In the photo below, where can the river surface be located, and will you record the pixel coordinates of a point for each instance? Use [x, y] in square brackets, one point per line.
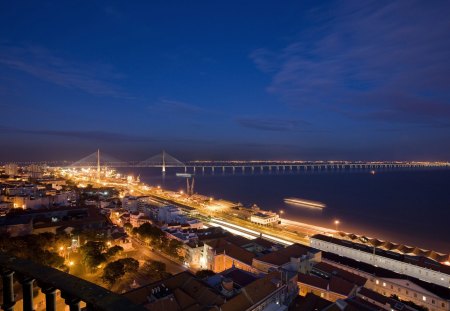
[404, 206]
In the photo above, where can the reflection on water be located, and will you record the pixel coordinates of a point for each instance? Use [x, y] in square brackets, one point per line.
[406, 206]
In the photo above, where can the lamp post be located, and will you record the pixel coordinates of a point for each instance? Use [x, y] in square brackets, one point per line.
[336, 224]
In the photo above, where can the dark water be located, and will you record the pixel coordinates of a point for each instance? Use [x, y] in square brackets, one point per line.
[405, 206]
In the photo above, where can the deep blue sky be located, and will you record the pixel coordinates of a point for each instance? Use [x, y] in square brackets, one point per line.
[225, 79]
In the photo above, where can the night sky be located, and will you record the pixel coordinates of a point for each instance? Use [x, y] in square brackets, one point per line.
[319, 80]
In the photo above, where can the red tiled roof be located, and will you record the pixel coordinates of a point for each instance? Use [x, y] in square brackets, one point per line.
[284, 255]
[346, 275]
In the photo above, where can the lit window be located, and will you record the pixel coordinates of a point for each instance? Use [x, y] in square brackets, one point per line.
[384, 284]
[377, 282]
[424, 298]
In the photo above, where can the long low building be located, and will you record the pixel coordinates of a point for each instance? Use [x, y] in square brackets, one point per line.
[426, 265]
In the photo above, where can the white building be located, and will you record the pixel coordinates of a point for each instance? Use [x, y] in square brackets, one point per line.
[388, 283]
[130, 203]
[11, 169]
[417, 266]
[265, 218]
[170, 214]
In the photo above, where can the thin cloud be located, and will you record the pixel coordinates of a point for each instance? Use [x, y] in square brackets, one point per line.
[174, 106]
[41, 63]
[86, 135]
[273, 125]
[366, 56]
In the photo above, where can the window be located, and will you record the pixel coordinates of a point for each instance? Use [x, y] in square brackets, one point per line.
[415, 295]
[432, 301]
[384, 284]
[424, 298]
[392, 286]
[376, 281]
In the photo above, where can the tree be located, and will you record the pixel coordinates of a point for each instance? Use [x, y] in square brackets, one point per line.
[155, 270]
[131, 265]
[202, 274]
[114, 251]
[92, 253]
[128, 227]
[113, 271]
[173, 248]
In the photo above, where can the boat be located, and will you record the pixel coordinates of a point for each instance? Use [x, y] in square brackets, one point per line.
[187, 175]
[304, 203]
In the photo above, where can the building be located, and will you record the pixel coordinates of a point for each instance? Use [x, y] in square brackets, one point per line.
[221, 254]
[421, 264]
[11, 169]
[295, 257]
[270, 292]
[5, 207]
[383, 302]
[386, 282]
[182, 291]
[130, 204]
[331, 289]
[137, 219]
[16, 226]
[35, 170]
[265, 218]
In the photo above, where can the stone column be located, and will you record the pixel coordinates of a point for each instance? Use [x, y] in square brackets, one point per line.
[27, 291]
[50, 298]
[8, 290]
[72, 302]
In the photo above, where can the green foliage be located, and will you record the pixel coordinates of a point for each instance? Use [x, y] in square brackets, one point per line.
[92, 253]
[128, 227]
[117, 269]
[155, 270]
[173, 248]
[114, 251]
[201, 274]
[40, 248]
[112, 272]
[147, 231]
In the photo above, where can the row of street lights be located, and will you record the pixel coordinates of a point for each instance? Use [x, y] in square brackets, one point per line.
[336, 221]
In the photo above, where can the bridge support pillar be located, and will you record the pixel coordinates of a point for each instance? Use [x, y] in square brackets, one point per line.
[234, 169]
[185, 169]
[50, 298]
[27, 291]
[8, 290]
[194, 169]
[253, 169]
[223, 169]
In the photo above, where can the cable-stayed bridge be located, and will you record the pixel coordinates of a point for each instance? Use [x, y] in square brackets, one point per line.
[164, 160]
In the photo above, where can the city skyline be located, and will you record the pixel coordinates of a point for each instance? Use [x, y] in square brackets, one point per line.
[303, 81]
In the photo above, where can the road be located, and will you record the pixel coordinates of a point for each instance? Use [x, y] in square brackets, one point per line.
[143, 253]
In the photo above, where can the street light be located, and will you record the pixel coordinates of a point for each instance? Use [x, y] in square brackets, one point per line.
[336, 224]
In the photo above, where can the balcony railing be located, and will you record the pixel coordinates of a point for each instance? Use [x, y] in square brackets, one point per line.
[73, 289]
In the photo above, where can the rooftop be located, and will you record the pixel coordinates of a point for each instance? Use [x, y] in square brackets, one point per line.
[284, 255]
[331, 270]
[437, 290]
[426, 259]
